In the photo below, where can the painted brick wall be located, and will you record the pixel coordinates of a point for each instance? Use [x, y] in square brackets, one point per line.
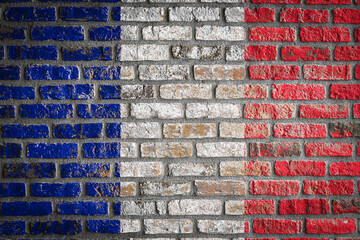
[180, 119]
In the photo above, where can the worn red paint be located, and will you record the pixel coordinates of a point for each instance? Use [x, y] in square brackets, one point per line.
[326, 72]
[347, 53]
[346, 16]
[259, 15]
[345, 169]
[299, 15]
[274, 188]
[324, 34]
[345, 91]
[300, 168]
[292, 53]
[298, 91]
[257, 130]
[304, 206]
[276, 226]
[260, 53]
[300, 130]
[328, 149]
[330, 187]
[274, 72]
[274, 149]
[341, 206]
[324, 111]
[259, 206]
[330, 226]
[272, 34]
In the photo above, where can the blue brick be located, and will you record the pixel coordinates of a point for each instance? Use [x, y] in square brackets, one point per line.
[11, 33]
[99, 110]
[52, 150]
[85, 130]
[25, 131]
[10, 150]
[78, 170]
[110, 92]
[13, 1]
[10, 92]
[57, 111]
[87, 53]
[103, 73]
[117, 13]
[63, 0]
[33, 53]
[9, 72]
[106, 33]
[65, 227]
[96, 14]
[2, 52]
[55, 189]
[48, 72]
[26, 208]
[7, 111]
[103, 189]
[113, 130]
[30, 14]
[74, 92]
[117, 208]
[8, 228]
[104, 226]
[29, 170]
[83, 208]
[57, 33]
[12, 190]
[102, 150]
[115, 1]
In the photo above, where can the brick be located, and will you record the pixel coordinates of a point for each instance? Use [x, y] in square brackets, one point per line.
[347, 53]
[140, 208]
[345, 91]
[277, 1]
[33, 52]
[327, 2]
[186, 91]
[52, 150]
[242, 168]
[10, 150]
[357, 38]
[299, 15]
[169, 33]
[300, 168]
[346, 16]
[304, 206]
[260, 53]
[30, 14]
[330, 226]
[133, 130]
[197, 14]
[115, 189]
[8, 228]
[143, 52]
[127, 91]
[244, 130]
[292, 53]
[164, 72]
[276, 226]
[197, 52]
[87, 53]
[26, 208]
[114, 226]
[300, 130]
[78, 131]
[55, 189]
[157, 110]
[195, 207]
[328, 149]
[259, 15]
[274, 149]
[12, 33]
[272, 34]
[330, 187]
[86, 14]
[221, 149]
[64, 227]
[243, 91]
[235, 14]
[298, 91]
[12, 190]
[102, 110]
[109, 73]
[192, 169]
[19, 93]
[109, 33]
[48, 72]
[165, 188]
[341, 206]
[345, 169]
[58, 33]
[324, 34]
[274, 188]
[356, 110]
[235, 53]
[223, 226]
[259, 207]
[110, 150]
[326, 72]
[9, 72]
[220, 33]
[168, 226]
[7, 111]
[139, 14]
[213, 110]
[269, 111]
[139, 169]
[346, 129]
[219, 72]
[29, 170]
[324, 111]
[189, 130]
[85, 208]
[81, 170]
[220, 188]
[274, 72]
[25, 131]
[166, 150]
[74, 92]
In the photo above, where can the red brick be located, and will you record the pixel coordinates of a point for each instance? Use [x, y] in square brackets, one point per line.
[324, 111]
[345, 91]
[330, 226]
[347, 53]
[357, 35]
[330, 187]
[327, 2]
[300, 130]
[356, 110]
[345, 169]
[277, 1]
[306, 239]
[274, 149]
[260, 53]
[357, 71]
[344, 129]
[257, 168]
[274, 188]
[292, 53]
[298, 91]
[259, 15]
[271, 34]
[304, 206]
[299, 15]
[269, 111]
[259, 207]
[327, 72]
[328, 149]
[274, 72]
[324, 34]
[257, 130]
[346, 15]
[341, 206]
[276, 226]
[300, 168]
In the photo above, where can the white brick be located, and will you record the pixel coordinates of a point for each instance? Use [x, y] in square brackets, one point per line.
[235, 14]
[213, 110]
[167, 33]
[165, 188]
[140, 130]
[142, 14]
[192, 169]
[130, 225]
[171, 226]
[141, 169]
[166, 150]
[221, 149]
[235, 53]
[221, 226]
[145, 52]
[232, 130]
[157, 110]
[186, 91]
[220, 33]
[235, 207]
[164, 72]
[128, 150]
[195, 207]
[189, 130]
[129, 32]
[197, 52]
[199, 14]
[140, 208]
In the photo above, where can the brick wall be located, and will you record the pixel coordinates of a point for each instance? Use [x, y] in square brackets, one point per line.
[179, 119]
